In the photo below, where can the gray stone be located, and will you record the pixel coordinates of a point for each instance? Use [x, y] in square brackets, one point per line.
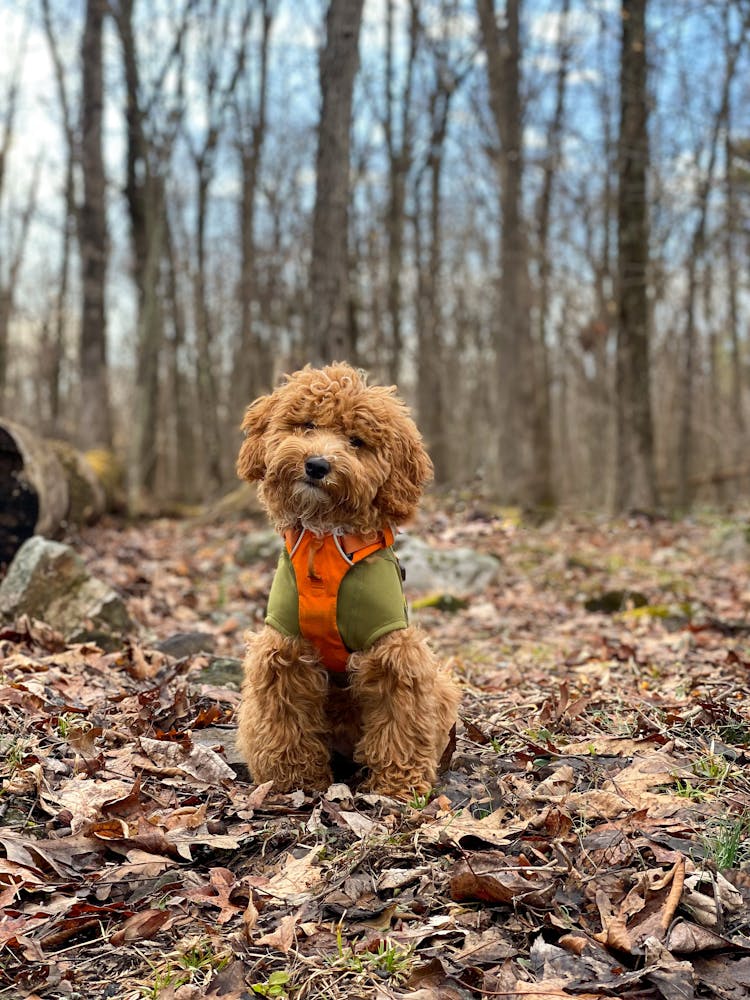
[49, 581]
[225, 736]
[460, 572]
[260, 546]
[734, 543]
[187, 644]
[222, 671]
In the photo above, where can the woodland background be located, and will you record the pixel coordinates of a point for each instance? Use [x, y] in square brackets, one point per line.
[531, 215]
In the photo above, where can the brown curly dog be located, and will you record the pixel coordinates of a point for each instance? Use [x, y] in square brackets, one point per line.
[337, 666]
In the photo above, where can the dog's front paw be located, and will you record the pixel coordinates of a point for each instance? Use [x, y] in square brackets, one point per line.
[288, 777]
[397, 783]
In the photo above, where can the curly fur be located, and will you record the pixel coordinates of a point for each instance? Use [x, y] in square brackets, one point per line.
[395, 714]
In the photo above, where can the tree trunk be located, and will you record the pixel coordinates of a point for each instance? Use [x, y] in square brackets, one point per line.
[542, 411]
[635, 481]
[251, 349]
[145, 196]
[737, 408]
[431, 351]
[183, 451]
[9, 107]
[54, 351]
[95, 425]
[516, 473]
[685, 456]
[328, 333]
[399, 141]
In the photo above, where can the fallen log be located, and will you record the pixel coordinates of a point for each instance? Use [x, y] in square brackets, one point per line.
[44, 486]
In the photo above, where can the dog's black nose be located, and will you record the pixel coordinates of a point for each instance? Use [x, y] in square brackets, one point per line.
[317, 468]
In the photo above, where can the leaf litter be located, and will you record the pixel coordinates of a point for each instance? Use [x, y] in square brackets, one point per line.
[590, 838]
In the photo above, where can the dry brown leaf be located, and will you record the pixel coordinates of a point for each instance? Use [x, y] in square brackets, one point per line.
[217, 892]
[675, 894]
[249, 918]
[26, 781]
[549, 988]
[397, 878]
[141, 927]
[604, 746]
[706, 894]
[615, 934]
[199, 762]
[574, 943]
[686, 938]
[283, 937]
[480, 879]
[490, 830]
[647, 771]
[597, 804]
[296, 877]
[84, 797]
[557, 786]
[361, 825]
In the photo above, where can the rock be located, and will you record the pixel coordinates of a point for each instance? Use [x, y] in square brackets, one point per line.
[222, 671]
[49, 581]
[734, 544]
[187, 644]
[459, 572]
[261, 546]
[220, 736]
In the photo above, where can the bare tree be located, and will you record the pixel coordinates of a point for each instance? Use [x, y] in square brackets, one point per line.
[95, 424]
[398, 127]
[328, 328]
[685, 457]
[541, 414]
[54, 348]
[252, 368]
[513, 346]
[448, 69]
[635, 480]
[152, 123]
[15, 224]
[429, 306]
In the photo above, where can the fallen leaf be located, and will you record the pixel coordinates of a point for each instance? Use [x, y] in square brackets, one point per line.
[198, 762]
[283, 937]
[141, 927]
[297, 876]
[484, 878]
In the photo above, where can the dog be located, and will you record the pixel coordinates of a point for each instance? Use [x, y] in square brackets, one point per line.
[337, 666]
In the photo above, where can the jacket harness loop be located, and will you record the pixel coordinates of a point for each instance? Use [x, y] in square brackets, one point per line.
[320, 564]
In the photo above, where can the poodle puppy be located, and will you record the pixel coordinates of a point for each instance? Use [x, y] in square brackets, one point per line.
[337, 665]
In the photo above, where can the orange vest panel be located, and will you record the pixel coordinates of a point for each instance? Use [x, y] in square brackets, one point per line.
[320, 564]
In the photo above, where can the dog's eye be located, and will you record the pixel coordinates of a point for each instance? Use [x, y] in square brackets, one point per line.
[356, 442]
[309, 426]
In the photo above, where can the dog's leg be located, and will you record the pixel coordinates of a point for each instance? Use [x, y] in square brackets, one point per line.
[282, 727]
[408, 707]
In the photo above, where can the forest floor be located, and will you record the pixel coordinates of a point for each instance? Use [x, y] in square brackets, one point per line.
[591, 839]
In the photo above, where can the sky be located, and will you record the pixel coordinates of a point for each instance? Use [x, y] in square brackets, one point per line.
[683, 50]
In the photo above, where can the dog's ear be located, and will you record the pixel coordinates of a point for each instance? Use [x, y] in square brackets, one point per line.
[411, 471]
[251, 463]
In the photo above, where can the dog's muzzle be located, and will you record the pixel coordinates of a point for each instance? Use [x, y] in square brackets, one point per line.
[317, 468]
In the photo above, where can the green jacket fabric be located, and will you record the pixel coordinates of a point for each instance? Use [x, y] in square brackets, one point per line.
[370, 601]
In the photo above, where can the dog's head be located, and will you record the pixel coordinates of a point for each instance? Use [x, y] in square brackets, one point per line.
[333, 452]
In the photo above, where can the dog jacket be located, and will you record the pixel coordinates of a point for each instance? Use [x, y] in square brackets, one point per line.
[341, 592]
